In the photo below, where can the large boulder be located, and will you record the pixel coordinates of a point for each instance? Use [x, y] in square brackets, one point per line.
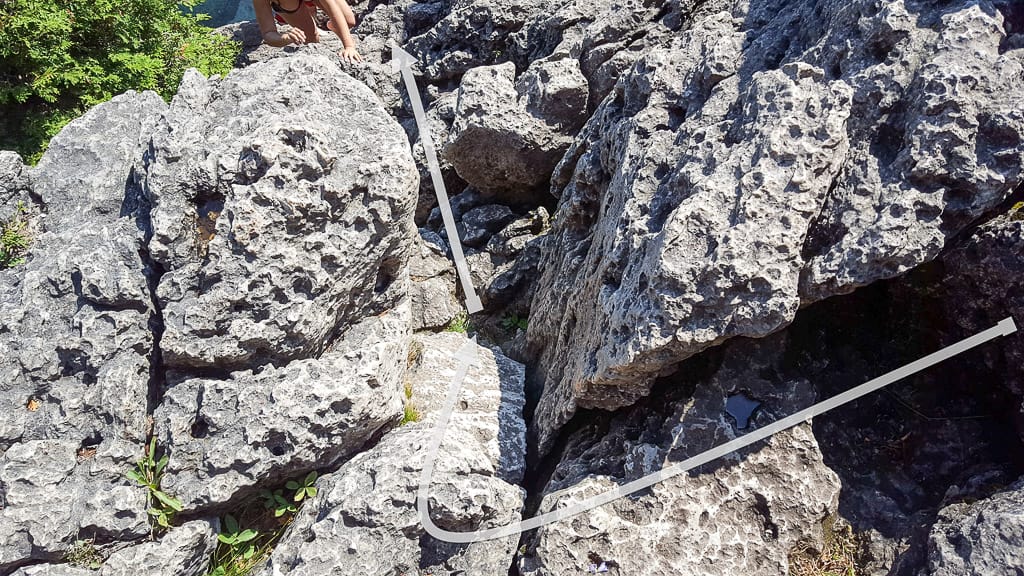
[76, 344]
[760, 161]
[742, 514]
[278, 220]
[227, 436]
[364, 518]
[284, 233]
[505, 143]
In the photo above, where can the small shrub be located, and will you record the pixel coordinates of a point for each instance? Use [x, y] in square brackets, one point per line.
[14, 240]
[238, 550]
[147, 473]
[513, 322]
[59, 58]
[459, 324]
[304, 489]
[274, 500]
[84, 554]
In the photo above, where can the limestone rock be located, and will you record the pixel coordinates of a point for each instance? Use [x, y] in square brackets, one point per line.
[981, 287]
[754, 165]
[364, 519]
[432, 286]
[496, 144]
[258, 203]
[183, 551]
[981, 538]
[15, 184]
[76, 343]
[263, 427]
[480, 223]
[741, 514]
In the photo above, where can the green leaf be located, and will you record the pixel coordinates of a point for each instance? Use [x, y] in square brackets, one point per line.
[231, 524]
[300, 495]
[311, 491]
[169, 501]
[292, 485]
[225, 538]
[247, 535]
[160, 466]
[133, 475]
[278, 512]
[310, 478]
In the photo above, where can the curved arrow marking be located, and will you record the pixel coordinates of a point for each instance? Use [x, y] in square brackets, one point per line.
[467, 356]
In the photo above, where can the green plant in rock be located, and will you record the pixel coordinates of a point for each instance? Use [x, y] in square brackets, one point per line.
[241, 542]
[84, 554]
[459, 324]
[274, 500]
[147, 473]
[410, 414]
[14, 240]
[513, 322]
[304, 489]
[60, 57]
[239, 550]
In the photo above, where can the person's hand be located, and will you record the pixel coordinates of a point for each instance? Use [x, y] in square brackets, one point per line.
[349, 54]
[295, 36]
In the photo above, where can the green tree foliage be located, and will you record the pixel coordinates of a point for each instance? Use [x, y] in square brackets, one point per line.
[59, 57]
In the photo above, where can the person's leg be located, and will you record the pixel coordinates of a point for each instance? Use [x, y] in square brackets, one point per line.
[303, 20]
[350, 17]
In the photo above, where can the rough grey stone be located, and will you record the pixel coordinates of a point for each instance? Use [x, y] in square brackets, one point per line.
[740, 515]
[364, 520]
[473, 33]
[496, 144]
[482, 222]
[76, 343]
[745, 169]
[51, 494]
[555, 89]
[983, 538]
[15, 184]
[981, 286]
[432, 286]
[260, 428]
[257, 205]
[183, 551]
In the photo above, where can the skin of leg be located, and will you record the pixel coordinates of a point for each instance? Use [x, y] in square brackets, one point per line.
[350, 18]
[303, 20]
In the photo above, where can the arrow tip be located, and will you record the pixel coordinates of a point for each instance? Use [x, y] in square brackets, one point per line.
[467, 354]
[400, 59]
[473, 304]
[1007, 326]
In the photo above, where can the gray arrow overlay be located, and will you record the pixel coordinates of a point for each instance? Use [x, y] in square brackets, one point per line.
[403, 61]
[467, 356]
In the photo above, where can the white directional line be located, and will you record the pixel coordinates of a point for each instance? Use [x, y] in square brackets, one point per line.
[402, 61]
[1004, 328]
